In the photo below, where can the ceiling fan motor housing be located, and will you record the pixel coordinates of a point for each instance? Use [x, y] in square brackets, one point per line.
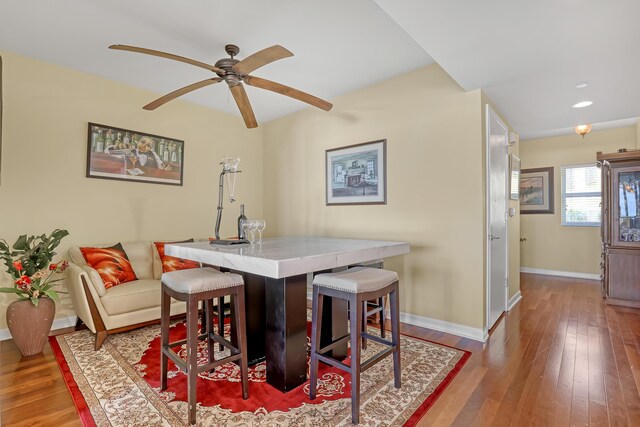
[230, 76]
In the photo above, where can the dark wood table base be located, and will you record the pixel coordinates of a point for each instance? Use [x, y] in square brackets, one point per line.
[276, 313]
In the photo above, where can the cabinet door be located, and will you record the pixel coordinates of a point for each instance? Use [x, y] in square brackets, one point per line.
[625, 206]
[623, 271]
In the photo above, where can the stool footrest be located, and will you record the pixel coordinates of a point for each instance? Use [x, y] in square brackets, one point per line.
[184, 341]
[334, 344]
[220, 340]
[376, 358]
[181, 364]
[377, 339]
[333, 362]
[219, 362]
[374, 310]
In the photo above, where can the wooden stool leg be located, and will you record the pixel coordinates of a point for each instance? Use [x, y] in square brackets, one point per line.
[241, 330]
[221, 320]
[355, 322]
[192, 356]
[395, 335]
[165, 307]
[381, 317]
[365, 319]
[208, 307]
[316, 326]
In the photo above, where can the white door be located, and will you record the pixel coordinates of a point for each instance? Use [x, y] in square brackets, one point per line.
[497, 160]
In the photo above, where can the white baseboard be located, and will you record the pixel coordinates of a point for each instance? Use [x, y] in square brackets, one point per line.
[476, 334]
[514, 300]
[435, 324]
[587, 276]
[63, 322]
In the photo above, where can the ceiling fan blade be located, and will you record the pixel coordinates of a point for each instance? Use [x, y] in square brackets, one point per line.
[179, 92]
[240, 95]
[167, 56]
[263, 57]
[288, 91]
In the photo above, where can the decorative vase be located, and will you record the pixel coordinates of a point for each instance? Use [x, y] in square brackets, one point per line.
[30, 325]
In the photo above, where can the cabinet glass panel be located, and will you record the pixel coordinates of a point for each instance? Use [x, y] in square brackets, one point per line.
[629, 206]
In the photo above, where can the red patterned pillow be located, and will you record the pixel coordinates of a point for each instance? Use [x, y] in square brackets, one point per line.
[111, 263]
[171, 263]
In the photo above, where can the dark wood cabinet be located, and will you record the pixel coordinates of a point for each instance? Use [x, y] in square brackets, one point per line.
[620, 266]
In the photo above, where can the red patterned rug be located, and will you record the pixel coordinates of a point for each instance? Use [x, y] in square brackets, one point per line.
[119, 386]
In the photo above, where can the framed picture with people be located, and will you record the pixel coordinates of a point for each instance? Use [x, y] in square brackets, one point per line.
[125, 154]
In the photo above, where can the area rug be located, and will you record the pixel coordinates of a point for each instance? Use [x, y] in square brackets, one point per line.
[119, 385]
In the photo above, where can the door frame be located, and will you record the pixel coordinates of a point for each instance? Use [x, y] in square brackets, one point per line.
[489, 114]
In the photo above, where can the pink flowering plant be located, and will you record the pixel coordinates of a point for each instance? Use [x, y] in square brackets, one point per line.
[29, 264]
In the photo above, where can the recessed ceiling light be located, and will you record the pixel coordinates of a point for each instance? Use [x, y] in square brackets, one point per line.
[582, 85]
[582, 104]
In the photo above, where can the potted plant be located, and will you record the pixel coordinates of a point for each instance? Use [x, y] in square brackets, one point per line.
[34, 276]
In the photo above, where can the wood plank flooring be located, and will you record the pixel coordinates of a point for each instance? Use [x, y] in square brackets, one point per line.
[561, 357]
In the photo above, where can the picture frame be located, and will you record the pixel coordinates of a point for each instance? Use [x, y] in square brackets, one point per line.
[128, 155]
[514, 177]
[357, 174]
[536, 191]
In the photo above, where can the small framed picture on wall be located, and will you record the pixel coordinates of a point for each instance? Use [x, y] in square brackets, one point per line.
[536, 191]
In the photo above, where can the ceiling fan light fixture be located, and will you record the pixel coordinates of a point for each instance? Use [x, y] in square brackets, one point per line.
[582, 130]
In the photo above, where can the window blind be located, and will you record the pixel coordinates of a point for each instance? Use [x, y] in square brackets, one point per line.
[581, 195]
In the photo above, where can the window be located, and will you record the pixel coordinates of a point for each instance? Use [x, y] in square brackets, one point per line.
[581, 195]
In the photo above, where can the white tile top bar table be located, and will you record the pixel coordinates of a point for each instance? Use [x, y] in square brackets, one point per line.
[275, 282]
[281, 257]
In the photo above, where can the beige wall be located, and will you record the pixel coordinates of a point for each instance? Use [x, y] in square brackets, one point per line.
[434, 183]
[638, 134]
[46, 110]
[549, 245]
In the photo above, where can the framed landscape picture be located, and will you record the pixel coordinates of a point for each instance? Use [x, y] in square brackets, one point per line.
[357, 174]
[536, 191]
[128, 155]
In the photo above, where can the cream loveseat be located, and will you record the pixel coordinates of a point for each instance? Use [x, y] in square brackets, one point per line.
[122, 307]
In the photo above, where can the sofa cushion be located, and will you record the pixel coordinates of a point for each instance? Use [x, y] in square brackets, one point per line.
[111, 263]
[171, 263]
[140, 256]
[132, 296]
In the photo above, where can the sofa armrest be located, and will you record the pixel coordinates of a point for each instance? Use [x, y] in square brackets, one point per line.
[75, 275]
[93, 279]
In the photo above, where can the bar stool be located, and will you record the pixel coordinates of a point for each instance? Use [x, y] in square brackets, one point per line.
[192, 286]
[356, 285]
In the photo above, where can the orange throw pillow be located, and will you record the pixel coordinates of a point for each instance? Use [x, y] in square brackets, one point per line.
[111, 263]
[171, 263]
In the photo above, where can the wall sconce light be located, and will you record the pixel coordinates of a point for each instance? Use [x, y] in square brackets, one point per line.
[582, 130]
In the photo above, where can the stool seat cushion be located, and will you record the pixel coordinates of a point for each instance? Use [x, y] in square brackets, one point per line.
[196, 280]
[357, 280]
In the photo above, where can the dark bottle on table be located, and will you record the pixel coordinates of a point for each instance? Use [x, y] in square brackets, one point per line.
[241, 232]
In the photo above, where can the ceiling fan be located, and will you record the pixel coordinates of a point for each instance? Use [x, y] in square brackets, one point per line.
[233, 72]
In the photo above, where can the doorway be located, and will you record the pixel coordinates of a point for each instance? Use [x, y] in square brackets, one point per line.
[497, 207]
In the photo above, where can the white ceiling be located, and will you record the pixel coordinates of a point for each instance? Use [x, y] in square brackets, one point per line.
[338, 45]
[527, 56]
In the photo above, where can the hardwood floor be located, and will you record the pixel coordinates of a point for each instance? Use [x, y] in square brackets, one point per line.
[561, 357]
